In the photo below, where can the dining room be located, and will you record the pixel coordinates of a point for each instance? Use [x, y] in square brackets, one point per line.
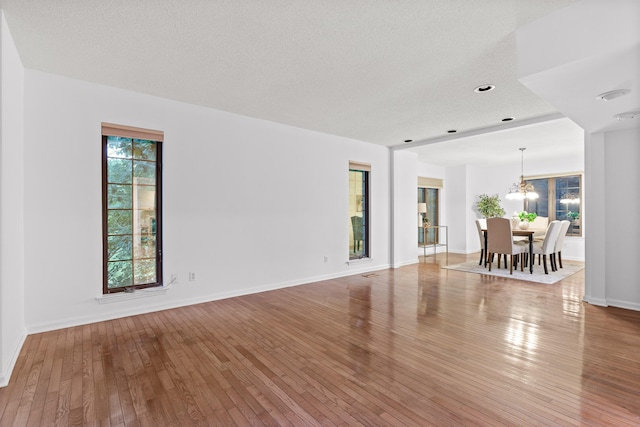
[492, 164]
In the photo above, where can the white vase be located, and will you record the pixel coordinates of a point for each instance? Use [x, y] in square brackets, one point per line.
[515, 221]
[524, 225]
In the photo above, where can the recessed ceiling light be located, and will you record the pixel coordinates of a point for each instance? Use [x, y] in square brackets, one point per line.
[627, 116]
[452, 131]
[484, 88]
[612, 94]
[508, 119]
[408, 140]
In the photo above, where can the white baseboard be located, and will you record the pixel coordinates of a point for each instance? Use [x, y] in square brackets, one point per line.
[6, 375]
[623, 304]
[628, 305]
[160, 303]
[595, 301]
[406, 262]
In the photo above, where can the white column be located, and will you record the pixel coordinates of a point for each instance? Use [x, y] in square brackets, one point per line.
[594, 219]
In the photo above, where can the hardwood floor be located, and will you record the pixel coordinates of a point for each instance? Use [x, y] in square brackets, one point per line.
[413, 346]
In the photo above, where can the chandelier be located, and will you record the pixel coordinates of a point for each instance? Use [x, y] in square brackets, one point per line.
[523, 190]
[570, 199]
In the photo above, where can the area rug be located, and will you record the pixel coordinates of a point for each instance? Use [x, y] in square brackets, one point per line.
[538, 275]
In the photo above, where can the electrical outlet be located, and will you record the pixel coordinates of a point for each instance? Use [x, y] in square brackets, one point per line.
[326, 259]
[192, 276]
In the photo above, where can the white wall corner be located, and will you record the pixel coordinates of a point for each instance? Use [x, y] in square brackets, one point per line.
[5, 375]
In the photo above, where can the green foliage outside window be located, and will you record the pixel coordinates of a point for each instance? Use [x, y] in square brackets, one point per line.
[131, 212]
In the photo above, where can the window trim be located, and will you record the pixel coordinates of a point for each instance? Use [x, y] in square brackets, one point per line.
[109, 129]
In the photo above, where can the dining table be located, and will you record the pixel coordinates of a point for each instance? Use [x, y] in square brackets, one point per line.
[516, 233]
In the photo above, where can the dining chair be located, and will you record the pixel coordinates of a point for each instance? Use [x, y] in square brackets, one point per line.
[548, 245]
[559, 241]
[500, 241]
[539, 224]
[481, 224]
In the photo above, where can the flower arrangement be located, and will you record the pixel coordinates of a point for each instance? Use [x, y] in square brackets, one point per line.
[528, 216]
[572, 216]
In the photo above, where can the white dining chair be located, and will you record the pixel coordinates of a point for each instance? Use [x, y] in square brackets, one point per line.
[559, 242]
[548, 245]
[539, 225]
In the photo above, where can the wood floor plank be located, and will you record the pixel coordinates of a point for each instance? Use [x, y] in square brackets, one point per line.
[418, 345]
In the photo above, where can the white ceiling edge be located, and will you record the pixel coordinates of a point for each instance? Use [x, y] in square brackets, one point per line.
[546, 138]
[480, 131]
[570, 65]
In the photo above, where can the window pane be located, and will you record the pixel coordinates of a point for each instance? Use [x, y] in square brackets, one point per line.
[119, 222]
[422, 198]
[432, 214]
[119, 196]
[119, 248]
[119, 171]
[145, 172]
[430, 197]
[145, 197]
[568, 202]
[145, 271]
[120, 274]
[541, 204]
[144, 246]
[119, 147]
[144, 150]
[358, 245]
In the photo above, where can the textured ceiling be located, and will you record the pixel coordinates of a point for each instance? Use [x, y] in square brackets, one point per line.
[377, 71]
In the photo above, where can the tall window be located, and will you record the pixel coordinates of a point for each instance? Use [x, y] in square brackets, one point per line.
[429, 193]
[560, 199]
[132, 215]
[359, 210]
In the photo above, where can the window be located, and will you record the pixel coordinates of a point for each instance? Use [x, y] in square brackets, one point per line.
[132, 215]
[359, 210]
[429, 193]
[560, 199]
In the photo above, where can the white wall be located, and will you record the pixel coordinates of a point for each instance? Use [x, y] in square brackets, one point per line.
[405, 184]
[249, 205]
[430, 170]
[12, 328]
[457, 207]
[622, 231]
